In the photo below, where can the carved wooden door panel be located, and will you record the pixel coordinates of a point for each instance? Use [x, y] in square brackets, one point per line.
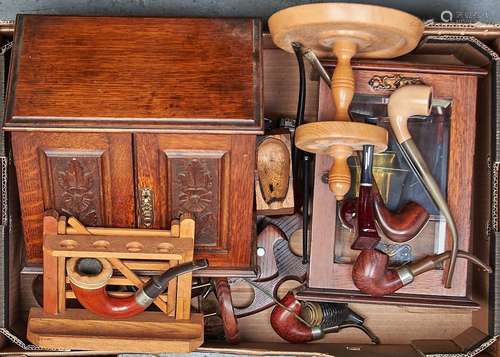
[210, 176]
[86, 175]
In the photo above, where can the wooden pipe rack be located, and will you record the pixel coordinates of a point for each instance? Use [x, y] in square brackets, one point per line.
[172, 329]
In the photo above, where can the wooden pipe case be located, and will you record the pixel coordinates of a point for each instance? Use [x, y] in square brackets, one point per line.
[130, 122]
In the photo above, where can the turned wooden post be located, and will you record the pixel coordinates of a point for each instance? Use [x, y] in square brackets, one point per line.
[343, 79]
[344, 31]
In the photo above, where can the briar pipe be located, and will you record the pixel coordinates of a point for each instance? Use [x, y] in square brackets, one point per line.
[288, 323]
[88, 278]
[372, 276]
[403, 103]
[400, 226]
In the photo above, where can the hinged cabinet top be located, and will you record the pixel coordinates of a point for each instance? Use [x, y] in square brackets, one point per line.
[132, 73]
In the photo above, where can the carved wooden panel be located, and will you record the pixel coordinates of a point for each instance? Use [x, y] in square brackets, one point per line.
[195, 187]
[87, 175]
[76, 185]
[210, 175]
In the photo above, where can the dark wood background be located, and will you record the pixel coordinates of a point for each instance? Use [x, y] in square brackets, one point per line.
[443, 10]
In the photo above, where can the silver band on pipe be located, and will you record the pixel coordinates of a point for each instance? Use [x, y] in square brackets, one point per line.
[405, 275]
[317, 333]
[142, 299]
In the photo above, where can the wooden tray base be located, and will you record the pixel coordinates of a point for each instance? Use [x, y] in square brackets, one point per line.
[79, 329]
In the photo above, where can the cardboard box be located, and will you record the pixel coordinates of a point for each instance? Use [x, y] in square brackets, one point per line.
[403, 331]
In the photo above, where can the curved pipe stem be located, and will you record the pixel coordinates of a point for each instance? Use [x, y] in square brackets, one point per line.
[403, 103]
[301, 107]
[363, 328]
[430, 263]
[297, 48]
[435, 192]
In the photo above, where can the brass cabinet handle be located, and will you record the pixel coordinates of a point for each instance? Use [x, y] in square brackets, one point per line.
[146, 206]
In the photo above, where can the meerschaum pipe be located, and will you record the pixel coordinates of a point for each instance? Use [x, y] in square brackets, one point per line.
[372, 276]
[403, 103]
[273, 169]
[88, 282]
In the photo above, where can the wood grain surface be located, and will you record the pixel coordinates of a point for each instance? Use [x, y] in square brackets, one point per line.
[223, 293]
[123, 72]
[393, 324]
[82, 330]
[89, 176]
[459, 86]
[378, 32]
[282, 77]
[266, 259]
[274, 180]
[51, 268]
[210, 176]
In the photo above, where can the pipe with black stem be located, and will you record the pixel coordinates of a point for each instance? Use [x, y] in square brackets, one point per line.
[297, 47]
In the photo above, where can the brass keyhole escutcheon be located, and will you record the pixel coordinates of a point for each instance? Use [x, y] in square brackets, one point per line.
[146, 207]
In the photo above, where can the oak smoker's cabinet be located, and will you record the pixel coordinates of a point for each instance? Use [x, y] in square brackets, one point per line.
[129, 122]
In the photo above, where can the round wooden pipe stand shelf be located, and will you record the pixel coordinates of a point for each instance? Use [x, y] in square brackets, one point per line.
[344, 31]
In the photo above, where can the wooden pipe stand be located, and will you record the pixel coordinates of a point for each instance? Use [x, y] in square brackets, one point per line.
[172, 329]
[344, 31]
